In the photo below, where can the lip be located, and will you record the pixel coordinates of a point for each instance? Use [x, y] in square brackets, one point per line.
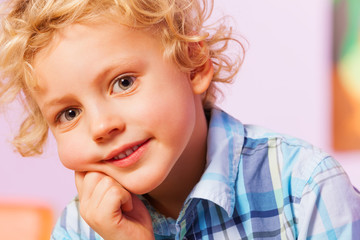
[133, 158]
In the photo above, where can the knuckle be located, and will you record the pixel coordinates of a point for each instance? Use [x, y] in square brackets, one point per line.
[115, 191]
[95, 175]
[107, 181]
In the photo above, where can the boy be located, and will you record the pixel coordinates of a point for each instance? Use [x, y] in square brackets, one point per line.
[127, 89]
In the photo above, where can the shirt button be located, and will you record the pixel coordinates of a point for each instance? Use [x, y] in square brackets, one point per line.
[172, 229]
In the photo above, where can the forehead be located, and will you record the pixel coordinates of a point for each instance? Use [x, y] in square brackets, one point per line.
[103, 43]
[82, 55]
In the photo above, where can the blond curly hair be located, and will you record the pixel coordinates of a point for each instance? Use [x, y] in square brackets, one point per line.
[27, 26]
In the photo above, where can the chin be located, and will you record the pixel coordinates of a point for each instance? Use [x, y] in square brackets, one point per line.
[144, 185]
[140, 190]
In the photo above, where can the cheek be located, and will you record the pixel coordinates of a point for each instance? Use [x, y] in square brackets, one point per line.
[71, 153]
[172, 102]
[173, 120]
[168, 112]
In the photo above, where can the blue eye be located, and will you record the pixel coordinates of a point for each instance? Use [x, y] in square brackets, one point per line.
[122, 83]
[68, 115]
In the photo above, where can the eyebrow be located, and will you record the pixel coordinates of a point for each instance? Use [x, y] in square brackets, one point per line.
[56, 101]
[120, 63]
[63, 99]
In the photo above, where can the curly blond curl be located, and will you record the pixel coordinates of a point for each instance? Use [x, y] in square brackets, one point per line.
[27, 26]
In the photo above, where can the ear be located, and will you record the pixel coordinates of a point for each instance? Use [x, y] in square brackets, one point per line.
[202, 77]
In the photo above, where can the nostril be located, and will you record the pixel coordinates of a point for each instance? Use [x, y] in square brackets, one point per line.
[99, 139]
[106, 135]
[112, 131]
[104, 127]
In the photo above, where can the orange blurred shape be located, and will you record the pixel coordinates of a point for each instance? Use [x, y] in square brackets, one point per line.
[20, 221]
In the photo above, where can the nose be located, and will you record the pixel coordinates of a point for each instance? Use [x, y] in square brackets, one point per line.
[105, 125]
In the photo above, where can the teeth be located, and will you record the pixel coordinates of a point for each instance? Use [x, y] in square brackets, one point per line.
[129, 151]
[120, 156]
[126, 153]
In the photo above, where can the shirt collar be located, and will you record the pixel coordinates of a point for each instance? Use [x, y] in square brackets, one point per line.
[225, 142]
[217, 184]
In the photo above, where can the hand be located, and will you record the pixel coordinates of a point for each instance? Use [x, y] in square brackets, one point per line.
[110, 209]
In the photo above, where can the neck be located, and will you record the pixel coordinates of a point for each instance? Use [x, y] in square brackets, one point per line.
[170, 196]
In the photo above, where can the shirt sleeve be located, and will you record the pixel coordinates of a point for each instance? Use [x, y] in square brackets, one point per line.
[59, 233]
[330, 206]
[71, 226]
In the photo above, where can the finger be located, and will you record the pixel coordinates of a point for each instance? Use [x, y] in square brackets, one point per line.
[79, 179]
[116, 200]
[127, 203]
[139, 213]
[101, 190]
[89, 183]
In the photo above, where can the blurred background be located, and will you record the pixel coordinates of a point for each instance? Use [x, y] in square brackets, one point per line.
[290, 82]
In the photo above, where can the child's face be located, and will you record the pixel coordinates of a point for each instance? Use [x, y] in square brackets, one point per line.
[107, 92]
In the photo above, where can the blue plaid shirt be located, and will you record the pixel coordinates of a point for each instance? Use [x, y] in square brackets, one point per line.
[256, 185]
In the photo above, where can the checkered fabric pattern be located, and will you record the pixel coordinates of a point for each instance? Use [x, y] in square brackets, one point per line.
[257, 185]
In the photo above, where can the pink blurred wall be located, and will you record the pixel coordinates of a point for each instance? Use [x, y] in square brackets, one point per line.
[284, 85]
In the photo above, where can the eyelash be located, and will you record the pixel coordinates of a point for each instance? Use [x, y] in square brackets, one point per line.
[114, 82]
[61, 113]
[131, 81]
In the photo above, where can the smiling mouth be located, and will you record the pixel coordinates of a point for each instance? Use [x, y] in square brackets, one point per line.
[130, 150]
[130, 156]
[127, 152]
